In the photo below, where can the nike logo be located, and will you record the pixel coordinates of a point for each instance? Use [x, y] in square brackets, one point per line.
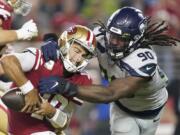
[55, 84]
[148, 68]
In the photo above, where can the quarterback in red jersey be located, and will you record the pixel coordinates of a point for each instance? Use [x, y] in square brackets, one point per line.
[26, 32]
[7, 9]
[28, 69]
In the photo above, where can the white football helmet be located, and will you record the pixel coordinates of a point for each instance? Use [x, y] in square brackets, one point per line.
[84, 37]
[21, 7]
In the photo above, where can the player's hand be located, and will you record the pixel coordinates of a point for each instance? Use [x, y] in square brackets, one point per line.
[50, 85]
[46, 109]
[55, 84]
[4, 13]
[32, 101]
[49, 50]
[27, 31]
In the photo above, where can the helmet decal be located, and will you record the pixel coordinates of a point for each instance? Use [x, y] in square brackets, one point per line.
[72, 30]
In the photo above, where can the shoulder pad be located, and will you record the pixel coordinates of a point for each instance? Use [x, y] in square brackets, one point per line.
[100, 39]
[98, 33]
[142, 62]
[38, 54]
[96, 30]
[31, 49]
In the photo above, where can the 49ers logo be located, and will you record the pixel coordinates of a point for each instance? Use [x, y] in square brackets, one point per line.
[72, 30]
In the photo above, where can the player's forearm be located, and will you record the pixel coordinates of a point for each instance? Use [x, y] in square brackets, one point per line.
[7, 36]
[117, 89]
[13, 69]
[96, 93]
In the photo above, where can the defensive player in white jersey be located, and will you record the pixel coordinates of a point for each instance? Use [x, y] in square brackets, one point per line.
[137, 86]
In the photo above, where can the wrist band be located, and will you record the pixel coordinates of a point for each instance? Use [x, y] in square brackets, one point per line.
[27, 87]
[59, 119]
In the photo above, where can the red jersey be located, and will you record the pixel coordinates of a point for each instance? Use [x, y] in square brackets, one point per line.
[8, 22]
[24, 124]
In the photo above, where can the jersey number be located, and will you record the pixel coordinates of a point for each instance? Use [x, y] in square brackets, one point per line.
[145, 56]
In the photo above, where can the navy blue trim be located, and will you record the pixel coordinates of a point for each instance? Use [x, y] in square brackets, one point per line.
[149, 69]
[27, 50]
[101, 48]
[140, 114]
[129, 69]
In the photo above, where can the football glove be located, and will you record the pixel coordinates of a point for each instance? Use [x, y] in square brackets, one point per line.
[49, 50]
[27, 31]
[57, 85]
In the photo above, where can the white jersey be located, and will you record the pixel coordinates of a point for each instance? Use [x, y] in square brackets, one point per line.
[140, 63]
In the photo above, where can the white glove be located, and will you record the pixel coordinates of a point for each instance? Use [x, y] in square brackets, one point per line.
[27, 31]
[4, 13]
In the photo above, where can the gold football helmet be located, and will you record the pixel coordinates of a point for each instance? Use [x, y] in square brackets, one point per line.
[84, 37]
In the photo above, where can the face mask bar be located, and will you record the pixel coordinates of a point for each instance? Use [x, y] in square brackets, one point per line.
[114, 51]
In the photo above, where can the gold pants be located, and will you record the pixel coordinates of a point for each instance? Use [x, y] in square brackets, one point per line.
[3, 119]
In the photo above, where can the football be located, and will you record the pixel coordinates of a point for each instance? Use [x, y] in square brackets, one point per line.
[14, 99]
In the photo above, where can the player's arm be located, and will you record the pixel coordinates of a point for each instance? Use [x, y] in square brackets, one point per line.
[13, 67]
[7, 36]
[119, 88]
[56, 117]
[26, 32]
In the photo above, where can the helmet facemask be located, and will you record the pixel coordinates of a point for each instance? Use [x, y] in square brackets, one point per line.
[83, 42]
[114, 50]
[65, 55]
[21, 7]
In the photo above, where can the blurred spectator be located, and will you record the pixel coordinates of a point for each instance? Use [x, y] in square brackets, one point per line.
[47, 9]
[167, 10]
[74, 126]
[99, 9]
[68, 17]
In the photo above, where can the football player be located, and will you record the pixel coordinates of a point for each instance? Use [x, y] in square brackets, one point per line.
[7, 9]
[137, 85]
[26, 32]
[28, 69]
